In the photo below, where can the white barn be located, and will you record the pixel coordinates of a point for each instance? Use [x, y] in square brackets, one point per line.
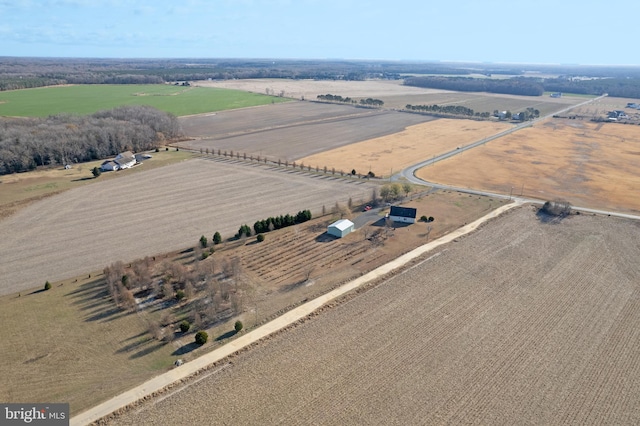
[340, 228]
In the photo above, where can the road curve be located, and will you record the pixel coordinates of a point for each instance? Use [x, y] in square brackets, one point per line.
[409, 173]
[190, 368]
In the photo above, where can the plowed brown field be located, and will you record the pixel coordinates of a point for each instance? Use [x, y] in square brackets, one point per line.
[153, 212]
[521, 322]
[293, 130]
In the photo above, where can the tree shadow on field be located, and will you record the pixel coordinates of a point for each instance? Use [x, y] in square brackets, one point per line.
[147, 350]
[81, 179]
[189, 347]
[226, 335]
[134, 345]
[290, 287]
[107, 314]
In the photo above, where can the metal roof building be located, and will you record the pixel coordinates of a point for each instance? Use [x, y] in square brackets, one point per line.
[340, 228]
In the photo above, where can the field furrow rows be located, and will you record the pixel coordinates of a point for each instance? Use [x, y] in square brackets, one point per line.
[149, 213]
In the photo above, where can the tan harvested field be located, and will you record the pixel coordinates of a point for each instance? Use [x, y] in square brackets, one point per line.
[396, 95]
[390, 154]
[589, 164]
[310, 89]
[152, 212]
[522, 322]
[293, 130]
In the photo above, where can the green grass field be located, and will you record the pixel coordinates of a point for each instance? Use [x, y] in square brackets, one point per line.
[87, 99]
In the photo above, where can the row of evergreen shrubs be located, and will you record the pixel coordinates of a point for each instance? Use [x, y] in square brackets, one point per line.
[278, 222]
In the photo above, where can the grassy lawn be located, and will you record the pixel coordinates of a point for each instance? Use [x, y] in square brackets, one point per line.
[87, 99]
[20, 189]
[70, 344]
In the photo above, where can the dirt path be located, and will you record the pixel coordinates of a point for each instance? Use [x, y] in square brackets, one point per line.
[160, 382]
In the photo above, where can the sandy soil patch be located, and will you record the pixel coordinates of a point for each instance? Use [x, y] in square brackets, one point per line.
[152, 212]
[310, 89]
[390, 154]
[589, 164]
[520, 322]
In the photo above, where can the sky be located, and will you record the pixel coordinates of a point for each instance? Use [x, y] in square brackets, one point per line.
[583, 32]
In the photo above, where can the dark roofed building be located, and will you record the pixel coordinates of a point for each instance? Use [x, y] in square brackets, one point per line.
[403, 214]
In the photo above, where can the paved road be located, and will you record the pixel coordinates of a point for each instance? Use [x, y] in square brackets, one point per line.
[160, 382]
[409, 172]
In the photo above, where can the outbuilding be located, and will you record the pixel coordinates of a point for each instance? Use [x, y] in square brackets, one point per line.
[403, 214]
[340, 228]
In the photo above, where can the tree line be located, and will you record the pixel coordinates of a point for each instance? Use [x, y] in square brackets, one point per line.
[512, 86]
[278, 222]
[26, 143]
[618, 87]
[338, 98]
[448, 109]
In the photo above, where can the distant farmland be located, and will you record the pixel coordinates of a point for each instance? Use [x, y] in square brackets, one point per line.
[293, 130]
[87, 99]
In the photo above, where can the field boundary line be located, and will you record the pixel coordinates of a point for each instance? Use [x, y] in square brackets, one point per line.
[194, 367]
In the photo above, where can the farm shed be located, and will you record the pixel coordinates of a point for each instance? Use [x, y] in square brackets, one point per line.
[340, 228]
[403, 214]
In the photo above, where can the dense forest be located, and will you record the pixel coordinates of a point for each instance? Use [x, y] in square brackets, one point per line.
[21, 73]
[511, 86]
[619, 87]
[26, 143]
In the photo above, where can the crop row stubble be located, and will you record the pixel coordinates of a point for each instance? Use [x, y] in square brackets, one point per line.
[515, 323]
[150, 213]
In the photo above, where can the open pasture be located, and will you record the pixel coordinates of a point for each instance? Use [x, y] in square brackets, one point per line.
[389, 154]
[153, 212]
[293, 130]
[396, 95]
[589, 164]
[87, 99]
[310, 89]
[71, 344]
[522, 322]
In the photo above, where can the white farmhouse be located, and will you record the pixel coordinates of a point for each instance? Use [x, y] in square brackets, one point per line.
[125, 160]
[403, 214]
